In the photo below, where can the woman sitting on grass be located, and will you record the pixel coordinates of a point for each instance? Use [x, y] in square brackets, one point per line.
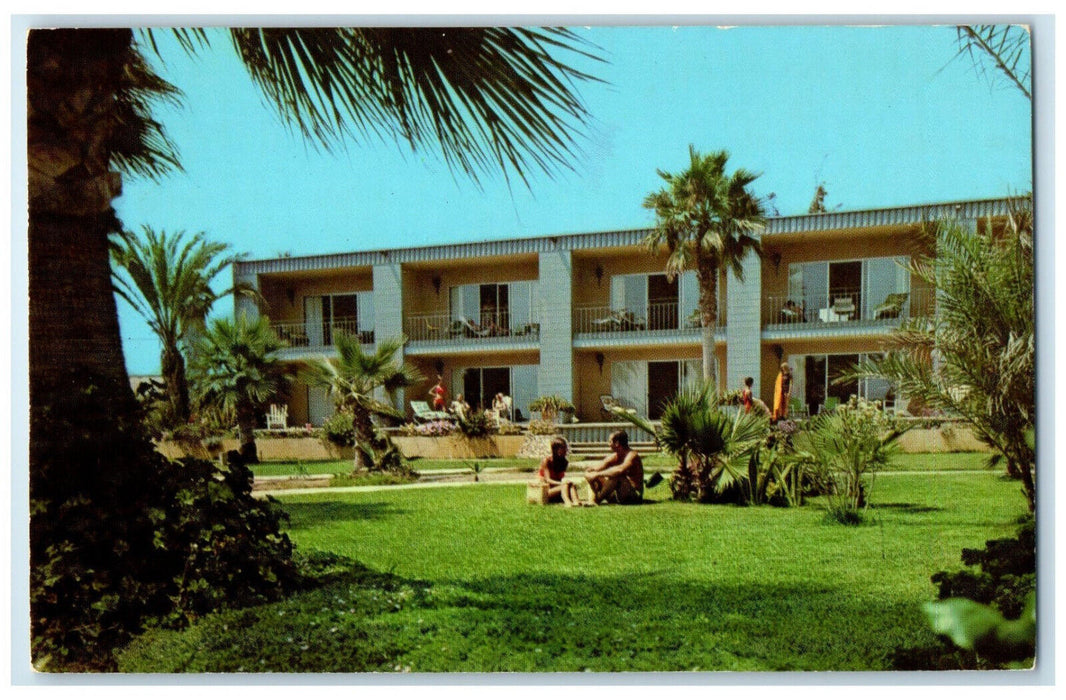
[553, 471]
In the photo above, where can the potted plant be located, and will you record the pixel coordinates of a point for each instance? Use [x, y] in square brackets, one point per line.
[551, 406]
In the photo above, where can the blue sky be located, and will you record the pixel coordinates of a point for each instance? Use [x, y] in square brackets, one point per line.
[883, 116]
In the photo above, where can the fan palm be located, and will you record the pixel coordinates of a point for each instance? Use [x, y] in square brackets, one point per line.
[713, 448]
[706, 220]
[236, 372]
[168, 282]
[354, 378]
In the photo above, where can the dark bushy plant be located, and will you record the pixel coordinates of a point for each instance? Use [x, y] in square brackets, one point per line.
[475, 424]
[339, 429]
[121, 537]
[1003, 576]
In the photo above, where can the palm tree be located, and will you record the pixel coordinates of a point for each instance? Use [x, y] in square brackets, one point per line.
[236, 373]
[976, 357]
[706, 220]
[354, 378]
[1003, 50]
[488, 99]
[169, 284]
[713, 448]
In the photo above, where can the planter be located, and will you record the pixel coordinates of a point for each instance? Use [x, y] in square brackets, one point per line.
[949, 437]
[459, 446]
[287, 449]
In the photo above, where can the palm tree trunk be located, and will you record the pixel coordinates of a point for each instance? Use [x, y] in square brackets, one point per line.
[707, 276]
[364, 437]
[173, 366]
[246, 435]
[73, 321]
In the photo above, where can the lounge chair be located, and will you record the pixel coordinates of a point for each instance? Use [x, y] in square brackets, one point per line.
[611, 406]
[472, 329]
[424, 414]
[844, 308]
[892, 307]
[277, 417]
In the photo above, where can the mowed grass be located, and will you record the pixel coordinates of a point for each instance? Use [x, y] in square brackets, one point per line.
[471, 578]
[960, 461]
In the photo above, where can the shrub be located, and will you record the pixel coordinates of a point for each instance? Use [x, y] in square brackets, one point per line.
[339, 429]
[843, 450]
[1002, 576]
[542, 427]
[475, 424]
[121, 537]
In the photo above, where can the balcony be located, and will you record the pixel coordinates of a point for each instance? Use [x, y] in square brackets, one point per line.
[493, 328]
[657, 319]
[303, 334]
[843, 308]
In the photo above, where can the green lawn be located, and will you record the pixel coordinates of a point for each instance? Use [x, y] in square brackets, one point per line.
[470, 578]
[654, 461]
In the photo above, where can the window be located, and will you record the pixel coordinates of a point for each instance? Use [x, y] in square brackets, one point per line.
[508, 306]
[815, 380]
[655, 300]
[352, 313]
[479, 385]
[861, 285]
[647, 386]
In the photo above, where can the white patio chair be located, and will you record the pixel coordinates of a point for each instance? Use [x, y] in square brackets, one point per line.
[277, 417]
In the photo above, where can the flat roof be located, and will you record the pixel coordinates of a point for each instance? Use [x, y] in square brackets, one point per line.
[775, 225]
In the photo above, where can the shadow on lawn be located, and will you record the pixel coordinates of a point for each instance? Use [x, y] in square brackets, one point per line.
[907, 508]
[305, 515]
[649, 622]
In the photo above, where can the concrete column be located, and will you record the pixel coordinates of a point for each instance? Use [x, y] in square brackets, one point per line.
[388, 309]
[556, 373]
[744, 324]
[241, 302]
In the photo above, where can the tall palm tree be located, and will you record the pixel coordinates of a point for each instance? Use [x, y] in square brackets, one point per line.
[236, 372]
[168, 282]
[355, 378]
[490, 100]
[706, 220]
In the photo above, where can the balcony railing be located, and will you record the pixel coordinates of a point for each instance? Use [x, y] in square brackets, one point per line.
[660, 316]
[845, 306]
[444, 327]
[315, 335]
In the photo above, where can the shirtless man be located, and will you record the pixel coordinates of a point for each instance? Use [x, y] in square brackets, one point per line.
[620, 477]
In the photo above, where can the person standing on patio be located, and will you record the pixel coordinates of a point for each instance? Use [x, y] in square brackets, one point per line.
[438, 392]
[746, 396]
[620, 477]
[782, 392]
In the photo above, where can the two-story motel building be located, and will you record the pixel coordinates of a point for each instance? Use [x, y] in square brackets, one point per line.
[591, 314]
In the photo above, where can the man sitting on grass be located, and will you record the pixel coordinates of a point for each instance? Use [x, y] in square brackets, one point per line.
[620, 477]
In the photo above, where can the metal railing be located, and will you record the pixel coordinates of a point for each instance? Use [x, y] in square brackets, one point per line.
[443, 326]
[303, 334]
[844, 306]
[660, 316]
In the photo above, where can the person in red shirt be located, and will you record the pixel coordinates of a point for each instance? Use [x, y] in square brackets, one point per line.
[746, 397]
[437, 392]
[553, 471]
